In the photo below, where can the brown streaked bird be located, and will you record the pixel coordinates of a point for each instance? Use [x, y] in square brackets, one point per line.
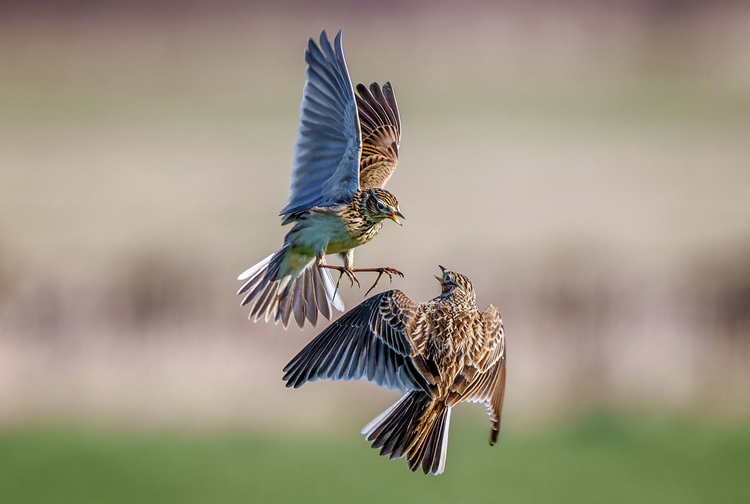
[346, 150]
[440, 353]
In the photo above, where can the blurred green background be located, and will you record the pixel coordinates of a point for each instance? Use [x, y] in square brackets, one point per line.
[587, 165]
[604, 458]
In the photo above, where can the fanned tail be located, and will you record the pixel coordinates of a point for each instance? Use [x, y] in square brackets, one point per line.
[311, 291]
[415, 427]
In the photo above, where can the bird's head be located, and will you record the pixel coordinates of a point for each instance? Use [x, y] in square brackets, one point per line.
[381, 205]
[456, 284]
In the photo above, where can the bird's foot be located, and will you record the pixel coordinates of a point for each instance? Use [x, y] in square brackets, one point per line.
[343, 271]
[381, 271]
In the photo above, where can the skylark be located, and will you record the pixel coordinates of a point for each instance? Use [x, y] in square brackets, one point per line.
[346, 150]
[440, 353]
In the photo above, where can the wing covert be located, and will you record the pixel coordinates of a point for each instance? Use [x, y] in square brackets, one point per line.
[487, 373]
[325, 170]
[489, 340]
[380, 125]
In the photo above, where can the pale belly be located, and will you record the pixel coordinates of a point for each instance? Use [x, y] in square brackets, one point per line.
[324, 232]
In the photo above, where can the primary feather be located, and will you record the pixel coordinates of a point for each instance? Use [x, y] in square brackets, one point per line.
[325, 170]
[441, 352]
[331, 213]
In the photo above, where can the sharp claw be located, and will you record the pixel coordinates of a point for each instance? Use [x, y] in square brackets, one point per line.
[380, 274]
[381, 271]
[338, 282]
[342, 270]
[352, 278]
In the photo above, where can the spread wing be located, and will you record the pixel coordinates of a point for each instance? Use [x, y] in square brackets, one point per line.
[381, 134]
[371, 341]
[483, 380]
[325, 170]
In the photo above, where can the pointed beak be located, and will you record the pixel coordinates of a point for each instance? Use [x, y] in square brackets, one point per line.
[439, 278]
[394, 217]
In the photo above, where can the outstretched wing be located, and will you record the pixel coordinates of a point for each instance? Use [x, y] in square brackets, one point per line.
[381, 134]
[483, 380]
[371, 341]
[325, 170]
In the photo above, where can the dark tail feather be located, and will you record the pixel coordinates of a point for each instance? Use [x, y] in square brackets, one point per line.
[312, 291]
[497, 404]
[415, 427]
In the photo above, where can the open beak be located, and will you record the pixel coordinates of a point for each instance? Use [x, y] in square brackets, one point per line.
[394, 217]
[439, 278]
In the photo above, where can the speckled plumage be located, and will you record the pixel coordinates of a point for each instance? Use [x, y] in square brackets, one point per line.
[346, 150]
[440, 353]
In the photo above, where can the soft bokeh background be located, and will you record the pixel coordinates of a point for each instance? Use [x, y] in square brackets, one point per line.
[587, 165]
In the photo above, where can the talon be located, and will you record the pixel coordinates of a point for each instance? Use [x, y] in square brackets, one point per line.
[338, 282]
[375, 284]
[352, 278]
[381, 271]
[342, 271]
[396, 272]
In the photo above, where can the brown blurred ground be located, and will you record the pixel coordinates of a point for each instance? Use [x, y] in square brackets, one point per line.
[587, 167]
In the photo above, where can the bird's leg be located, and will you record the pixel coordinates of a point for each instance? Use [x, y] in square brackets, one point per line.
[348, 258]
[342, 271]
[346, 269]
[380, 271]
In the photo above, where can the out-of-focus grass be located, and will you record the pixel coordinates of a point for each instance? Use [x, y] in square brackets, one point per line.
[603, 458]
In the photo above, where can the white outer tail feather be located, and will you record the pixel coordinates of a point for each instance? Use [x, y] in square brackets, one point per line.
[255, 269]
[385, 415]
[444, 446]
[367, 429]
[311, 291]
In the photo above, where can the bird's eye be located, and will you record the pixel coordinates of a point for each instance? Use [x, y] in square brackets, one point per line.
[381, 207]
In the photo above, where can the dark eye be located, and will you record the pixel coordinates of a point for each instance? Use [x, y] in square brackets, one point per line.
[381, 207]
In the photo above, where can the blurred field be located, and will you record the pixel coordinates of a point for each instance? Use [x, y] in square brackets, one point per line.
[586, 165]
[587, 168]
[602, 458]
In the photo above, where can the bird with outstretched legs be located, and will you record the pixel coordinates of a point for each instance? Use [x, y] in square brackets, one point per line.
[346, 150]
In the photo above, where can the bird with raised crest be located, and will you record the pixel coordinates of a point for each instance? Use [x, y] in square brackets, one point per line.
[346, 150]
[440, 353]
